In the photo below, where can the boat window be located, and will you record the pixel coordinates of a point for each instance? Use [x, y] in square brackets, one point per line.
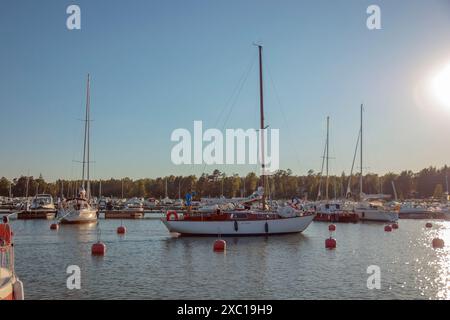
[338, 206]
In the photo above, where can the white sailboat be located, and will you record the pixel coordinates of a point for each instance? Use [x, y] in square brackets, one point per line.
[79, 209]
[239, 222]
[371, 208]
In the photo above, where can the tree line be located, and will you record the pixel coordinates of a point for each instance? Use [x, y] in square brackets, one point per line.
[428, 182]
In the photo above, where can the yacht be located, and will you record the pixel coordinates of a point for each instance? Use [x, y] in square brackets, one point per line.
[262, 220]
[41, 207]
[81, 209]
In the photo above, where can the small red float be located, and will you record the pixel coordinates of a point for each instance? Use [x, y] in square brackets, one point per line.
[54, 226]
[121, 230]
[330, 243]
[98, 248]
[332, 227]
[428, 225]
[394, 226]
[438, 243]
[220, 245]
[388, 228]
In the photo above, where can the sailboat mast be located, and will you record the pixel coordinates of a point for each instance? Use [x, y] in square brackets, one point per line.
[261, 101]
[361, 156]
[327, 157]
[88, 106]
[83, 174]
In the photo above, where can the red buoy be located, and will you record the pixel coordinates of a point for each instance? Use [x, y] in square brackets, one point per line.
[388, 228]
[98, 248]
[220, 245]
[121, 230]
[330, 243]
[54, 226]
[428, 225]
[332, 227]
[394, 226]
[438, 243]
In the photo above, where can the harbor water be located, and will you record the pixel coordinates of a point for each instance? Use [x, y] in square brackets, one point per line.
[149, 263]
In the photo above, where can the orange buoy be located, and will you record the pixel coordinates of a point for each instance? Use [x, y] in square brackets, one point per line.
[395, 226]
[98, 248]
[428, 225]
[121, 230]
[332, 227]
[220, 245]
[388, 228]
[330, 243]
[54, 226]
[438, 243]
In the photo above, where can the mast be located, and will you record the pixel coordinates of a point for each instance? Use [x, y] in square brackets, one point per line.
[122, 188]
[361, 156]
[100, 190]
[28, 183]
[10, 190]
[166, 189]
[261, 102]
[327, 157]
[395, 190]
[85, 178]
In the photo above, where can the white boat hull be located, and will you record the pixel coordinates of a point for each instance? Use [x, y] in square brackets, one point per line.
[377, 215]
[79, 216]
[244, 227]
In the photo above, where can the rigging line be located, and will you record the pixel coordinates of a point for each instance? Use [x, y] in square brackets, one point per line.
[238, 94]
[234, 98]
[237, 87]
[353, 163]
[282, 112]
[321, 171]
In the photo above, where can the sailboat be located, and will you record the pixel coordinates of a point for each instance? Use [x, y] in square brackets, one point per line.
[79, 209]
[331, 211]
[238, 222]
[371, 207]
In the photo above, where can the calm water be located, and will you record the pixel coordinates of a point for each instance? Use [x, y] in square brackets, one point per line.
[148, 263]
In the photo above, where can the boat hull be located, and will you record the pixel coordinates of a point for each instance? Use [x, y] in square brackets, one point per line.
[79, 217]
[36, 214]
[124, 214]
[240, 228]
[377, 215]
[415, 215]
[337, 217]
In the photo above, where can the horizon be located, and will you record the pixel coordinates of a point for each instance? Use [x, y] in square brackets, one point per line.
[173, 64]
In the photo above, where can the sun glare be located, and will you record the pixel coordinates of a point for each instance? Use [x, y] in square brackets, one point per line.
[440, 86]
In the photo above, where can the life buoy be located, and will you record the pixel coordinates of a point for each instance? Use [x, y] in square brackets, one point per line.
[171, 214]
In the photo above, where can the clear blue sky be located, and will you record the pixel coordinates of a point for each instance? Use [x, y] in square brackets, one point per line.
[160, 65]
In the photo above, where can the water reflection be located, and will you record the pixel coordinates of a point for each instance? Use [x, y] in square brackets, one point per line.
[149, 263]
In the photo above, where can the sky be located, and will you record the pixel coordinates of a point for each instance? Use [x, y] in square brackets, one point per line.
[157, 66]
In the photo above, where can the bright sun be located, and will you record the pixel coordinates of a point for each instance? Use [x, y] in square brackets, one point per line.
[440, 86]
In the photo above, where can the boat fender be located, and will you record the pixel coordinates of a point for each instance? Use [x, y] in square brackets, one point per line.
[171, 214]
[266, 227]
[236, 226]
[18, 290]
